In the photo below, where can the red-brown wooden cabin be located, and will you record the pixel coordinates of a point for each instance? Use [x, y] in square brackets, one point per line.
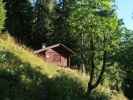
[58, 54]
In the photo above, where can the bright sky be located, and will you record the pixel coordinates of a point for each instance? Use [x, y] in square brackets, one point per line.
[125, 11]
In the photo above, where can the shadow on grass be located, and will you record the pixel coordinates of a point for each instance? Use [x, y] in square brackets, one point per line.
[20, 81]
[99, 96]
[66, 87]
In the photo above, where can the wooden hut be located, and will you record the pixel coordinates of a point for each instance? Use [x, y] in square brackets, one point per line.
[58, 54]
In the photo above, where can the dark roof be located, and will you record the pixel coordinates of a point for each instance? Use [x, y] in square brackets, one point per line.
[55, 46]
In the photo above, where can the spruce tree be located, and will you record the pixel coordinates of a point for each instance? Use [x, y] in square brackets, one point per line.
[62, 32]
[19, 18]
[43, 21]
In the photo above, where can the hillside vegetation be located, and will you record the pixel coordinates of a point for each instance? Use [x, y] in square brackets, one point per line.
[24, 76]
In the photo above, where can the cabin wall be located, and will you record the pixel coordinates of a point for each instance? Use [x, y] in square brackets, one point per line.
[55, 57]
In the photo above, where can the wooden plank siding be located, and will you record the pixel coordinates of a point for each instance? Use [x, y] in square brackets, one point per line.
[58, 54]
[52, 56]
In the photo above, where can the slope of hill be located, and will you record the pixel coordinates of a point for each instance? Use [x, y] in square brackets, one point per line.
[24, 76]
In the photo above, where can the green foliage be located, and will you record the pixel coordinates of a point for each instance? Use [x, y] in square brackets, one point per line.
[94, 25]
[61, 32]
[124, 57]
[114, 77]
[86, 22]
[19, 19]
[2, 15]
[43, 23]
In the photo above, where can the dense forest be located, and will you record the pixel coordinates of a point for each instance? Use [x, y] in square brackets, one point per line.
[91, 28]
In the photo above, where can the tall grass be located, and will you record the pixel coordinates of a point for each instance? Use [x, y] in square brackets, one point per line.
[34, 79]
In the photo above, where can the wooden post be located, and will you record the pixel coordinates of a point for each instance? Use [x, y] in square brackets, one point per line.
[69, 61]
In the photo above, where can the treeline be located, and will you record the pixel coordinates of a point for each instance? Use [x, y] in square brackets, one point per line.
[91, 28]
[38, 21]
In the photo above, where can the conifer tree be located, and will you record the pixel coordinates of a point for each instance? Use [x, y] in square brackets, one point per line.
[43, 26]
[19, 18]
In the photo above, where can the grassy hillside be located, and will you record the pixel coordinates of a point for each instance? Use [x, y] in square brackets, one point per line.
[24, 76]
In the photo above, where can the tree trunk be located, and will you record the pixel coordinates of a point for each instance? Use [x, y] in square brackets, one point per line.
[102, 70]
[90, 86]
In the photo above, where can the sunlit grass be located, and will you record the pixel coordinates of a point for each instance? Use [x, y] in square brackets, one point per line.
[26, 55]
